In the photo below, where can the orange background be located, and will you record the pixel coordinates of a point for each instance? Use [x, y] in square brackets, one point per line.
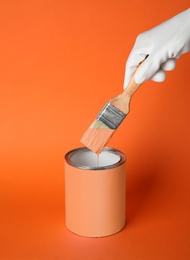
[60, 62]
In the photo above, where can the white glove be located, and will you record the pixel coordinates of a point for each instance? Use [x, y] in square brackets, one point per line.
[163, 44]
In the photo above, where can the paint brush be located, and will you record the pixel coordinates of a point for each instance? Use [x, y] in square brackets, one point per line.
[108, 120]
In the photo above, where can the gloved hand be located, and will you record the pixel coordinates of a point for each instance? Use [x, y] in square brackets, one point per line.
[163, 44]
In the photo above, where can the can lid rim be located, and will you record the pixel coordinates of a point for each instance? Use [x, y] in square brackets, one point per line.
[84, 167]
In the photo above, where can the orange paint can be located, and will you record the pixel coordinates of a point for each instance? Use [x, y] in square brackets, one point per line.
[95, 192]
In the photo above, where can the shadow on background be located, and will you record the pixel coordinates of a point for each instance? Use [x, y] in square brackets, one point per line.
[148, 181]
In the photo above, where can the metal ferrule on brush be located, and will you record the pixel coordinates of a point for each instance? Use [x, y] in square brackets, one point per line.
[111, 116]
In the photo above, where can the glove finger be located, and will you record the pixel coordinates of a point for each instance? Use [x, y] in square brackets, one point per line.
[151, 66]
[159, 76]
[131, 66]
[169, 65]
[147, 70]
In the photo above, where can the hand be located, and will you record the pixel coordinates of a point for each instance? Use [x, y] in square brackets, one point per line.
[163, 44]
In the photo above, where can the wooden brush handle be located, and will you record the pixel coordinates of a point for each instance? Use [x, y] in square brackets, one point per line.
[132, 87]
[122, 101]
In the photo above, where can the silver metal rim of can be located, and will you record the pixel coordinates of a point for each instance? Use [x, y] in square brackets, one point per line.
[83, 149]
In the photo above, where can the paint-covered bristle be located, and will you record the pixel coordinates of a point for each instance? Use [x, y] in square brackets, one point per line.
[97, 136]
[98, 124]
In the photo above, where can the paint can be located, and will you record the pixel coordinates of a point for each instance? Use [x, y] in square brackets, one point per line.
[95, 192]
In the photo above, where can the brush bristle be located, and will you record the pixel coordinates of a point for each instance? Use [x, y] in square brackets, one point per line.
[97, 136]
[98, 124]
